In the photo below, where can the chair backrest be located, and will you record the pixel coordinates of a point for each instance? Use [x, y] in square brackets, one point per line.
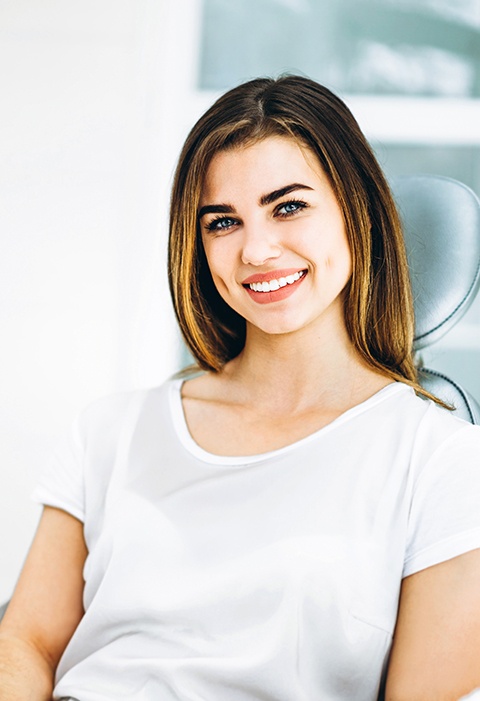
[441, 220]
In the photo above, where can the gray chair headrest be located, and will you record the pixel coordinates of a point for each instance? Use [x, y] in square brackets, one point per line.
[441, 220]
[466, 406]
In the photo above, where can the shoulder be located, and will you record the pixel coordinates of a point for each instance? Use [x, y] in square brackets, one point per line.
[110, 416]
[206, 386]
[441, 432]
[444, 504]
[431, 427]
[418, 439]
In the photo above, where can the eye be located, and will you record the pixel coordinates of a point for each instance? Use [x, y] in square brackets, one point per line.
[221, 224]
[287, 209]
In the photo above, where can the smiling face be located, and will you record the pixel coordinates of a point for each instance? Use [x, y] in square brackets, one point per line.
[274, 236]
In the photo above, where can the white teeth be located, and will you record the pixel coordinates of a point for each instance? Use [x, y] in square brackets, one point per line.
[276, 284]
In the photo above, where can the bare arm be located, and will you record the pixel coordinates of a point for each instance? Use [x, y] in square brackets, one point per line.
[45, 609]
[436, 647]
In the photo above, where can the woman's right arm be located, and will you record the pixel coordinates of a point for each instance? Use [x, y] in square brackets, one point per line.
[45, 609]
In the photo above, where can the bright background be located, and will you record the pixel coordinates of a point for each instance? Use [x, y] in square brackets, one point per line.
[96, 98]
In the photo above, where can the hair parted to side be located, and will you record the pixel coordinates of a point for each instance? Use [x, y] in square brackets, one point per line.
[378, 301]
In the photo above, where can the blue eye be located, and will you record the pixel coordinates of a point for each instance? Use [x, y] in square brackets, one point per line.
[221, 224]
[288, 208]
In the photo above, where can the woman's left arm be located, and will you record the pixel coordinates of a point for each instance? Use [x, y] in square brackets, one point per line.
[436, 646]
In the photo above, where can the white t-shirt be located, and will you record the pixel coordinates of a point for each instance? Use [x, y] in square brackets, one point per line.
[272, 577]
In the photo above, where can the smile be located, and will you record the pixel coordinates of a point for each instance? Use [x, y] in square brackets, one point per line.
[274, 289]
[273, 285]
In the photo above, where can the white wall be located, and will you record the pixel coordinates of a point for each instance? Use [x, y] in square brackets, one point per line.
[86, 160]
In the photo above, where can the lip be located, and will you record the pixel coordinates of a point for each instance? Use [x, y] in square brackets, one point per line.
[275, 295]
[272, 275]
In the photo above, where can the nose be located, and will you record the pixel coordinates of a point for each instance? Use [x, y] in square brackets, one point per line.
[260, 245]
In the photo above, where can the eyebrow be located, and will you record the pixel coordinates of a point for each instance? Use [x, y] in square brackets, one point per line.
[281, 192]
[263, 201]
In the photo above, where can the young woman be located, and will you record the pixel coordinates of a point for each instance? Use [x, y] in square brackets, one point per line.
[298, 520]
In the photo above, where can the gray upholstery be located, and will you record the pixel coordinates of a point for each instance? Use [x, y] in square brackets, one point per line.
[441, 220]
[466, 407]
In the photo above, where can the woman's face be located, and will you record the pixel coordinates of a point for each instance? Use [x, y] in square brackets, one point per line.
[274, 236]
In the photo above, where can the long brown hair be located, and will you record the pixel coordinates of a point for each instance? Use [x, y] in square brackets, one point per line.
[378, 300]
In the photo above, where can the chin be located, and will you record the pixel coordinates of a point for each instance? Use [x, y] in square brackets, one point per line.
[278, 327]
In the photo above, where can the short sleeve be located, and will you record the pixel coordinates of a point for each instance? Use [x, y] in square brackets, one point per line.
[62, 483]
[77, 478]
[444, 518]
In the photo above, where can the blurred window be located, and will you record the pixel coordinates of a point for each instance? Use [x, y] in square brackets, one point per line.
[381, 47]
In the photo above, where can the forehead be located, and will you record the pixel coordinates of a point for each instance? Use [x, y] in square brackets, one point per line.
[264, 165]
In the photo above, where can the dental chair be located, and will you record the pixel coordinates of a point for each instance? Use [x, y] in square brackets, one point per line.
[441, 219]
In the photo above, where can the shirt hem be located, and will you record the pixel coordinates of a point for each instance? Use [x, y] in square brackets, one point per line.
[443, 551]
[42, 496]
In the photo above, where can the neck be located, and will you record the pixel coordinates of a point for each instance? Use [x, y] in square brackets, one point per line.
[290, 372]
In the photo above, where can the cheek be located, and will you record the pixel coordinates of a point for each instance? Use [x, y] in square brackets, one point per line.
[217, 261]
[338, 262]
[335, 252]
[345, 257]
[220, 252]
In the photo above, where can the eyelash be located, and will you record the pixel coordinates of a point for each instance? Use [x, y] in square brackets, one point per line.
[212, 226]
[300, 205]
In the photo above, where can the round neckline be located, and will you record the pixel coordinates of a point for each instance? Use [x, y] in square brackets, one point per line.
[188, 442]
